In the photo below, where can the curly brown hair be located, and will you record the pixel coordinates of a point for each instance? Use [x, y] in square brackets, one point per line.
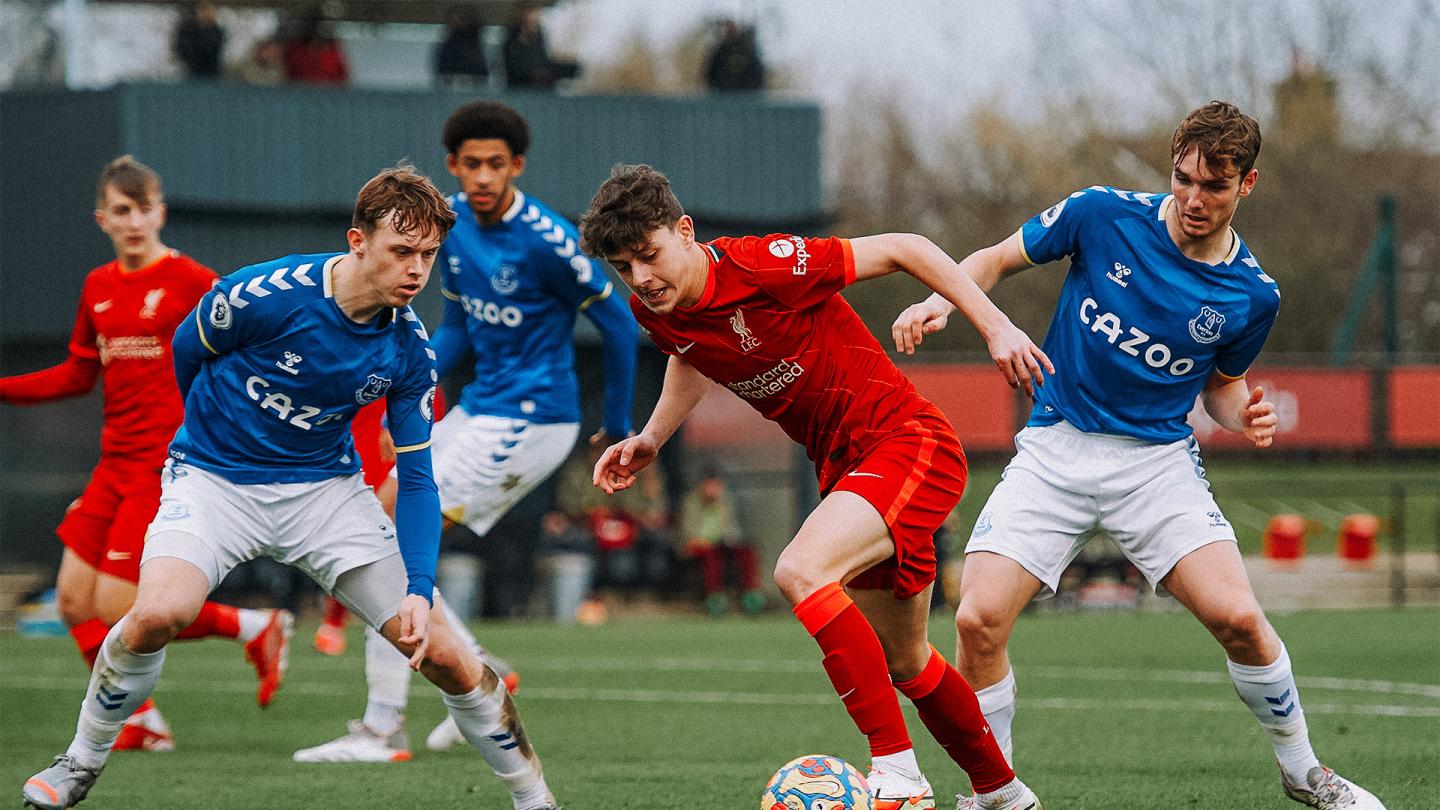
[418, 207]
[1226, 137]
[129, 177]
[631, 203]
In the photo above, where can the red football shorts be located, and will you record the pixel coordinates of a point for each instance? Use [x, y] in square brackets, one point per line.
[106, 525]
[914, 478]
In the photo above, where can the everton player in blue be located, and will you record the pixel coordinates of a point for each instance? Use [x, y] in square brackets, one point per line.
[514, 279]
[273, 365]
[1163, 303]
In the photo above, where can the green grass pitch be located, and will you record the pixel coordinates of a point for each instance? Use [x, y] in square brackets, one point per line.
[1116, 711]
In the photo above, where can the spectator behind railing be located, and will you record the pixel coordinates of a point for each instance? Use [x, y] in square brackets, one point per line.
[528, 64]
[199, 41]
[460, 58]
[265, 65]
[312, 57]
[735, 64]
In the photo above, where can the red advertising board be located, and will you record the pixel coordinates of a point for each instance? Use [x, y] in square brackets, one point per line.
[975, 398]
[1319, 409]
[1415, 406]
[1322, 409]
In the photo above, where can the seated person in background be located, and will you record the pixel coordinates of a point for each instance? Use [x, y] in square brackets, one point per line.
[712, 535]
[632, 550]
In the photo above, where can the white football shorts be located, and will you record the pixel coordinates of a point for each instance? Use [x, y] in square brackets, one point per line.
[485, 464]
[1065, 486]
[324, 528]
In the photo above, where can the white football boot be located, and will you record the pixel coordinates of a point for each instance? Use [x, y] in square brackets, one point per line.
[360, 745]
[1328, 790]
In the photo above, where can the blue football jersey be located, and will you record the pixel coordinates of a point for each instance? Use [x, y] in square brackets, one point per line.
[520, 283]
[1140, 326]
[283, 372]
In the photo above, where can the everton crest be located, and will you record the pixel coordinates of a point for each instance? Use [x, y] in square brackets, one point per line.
[375, 388]
[1205, 327]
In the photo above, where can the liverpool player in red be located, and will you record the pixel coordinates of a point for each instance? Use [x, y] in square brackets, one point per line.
[129, 309]
[761, 316]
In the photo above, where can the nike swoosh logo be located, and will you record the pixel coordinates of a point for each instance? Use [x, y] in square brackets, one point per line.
[117, 555]
[858, 474]
[683, 349]
[103, 305]
[847, 694]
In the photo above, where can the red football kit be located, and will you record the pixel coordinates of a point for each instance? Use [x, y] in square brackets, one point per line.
[771, 327]
[122, 334]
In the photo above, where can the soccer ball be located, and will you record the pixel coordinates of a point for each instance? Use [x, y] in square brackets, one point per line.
[817, 782]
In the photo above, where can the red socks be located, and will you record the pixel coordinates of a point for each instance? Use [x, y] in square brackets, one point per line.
[855, 662]
[89, 635]
[215, 619]
[335, 613]
[949, 709]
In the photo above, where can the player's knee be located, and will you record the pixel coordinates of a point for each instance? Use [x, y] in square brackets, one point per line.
[795, 581]
[907, 661]
[148, 629]
[1240, 626]
[75, 608]
[981, 630]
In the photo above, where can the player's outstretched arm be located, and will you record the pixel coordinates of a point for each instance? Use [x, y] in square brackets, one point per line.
[683, 388]
[986, 267]
[1237, 407]
[1018, 358]
[618, 332]
[72, 378]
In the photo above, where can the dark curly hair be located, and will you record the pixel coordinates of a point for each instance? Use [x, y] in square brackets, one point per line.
[482, 120]
[634, 201]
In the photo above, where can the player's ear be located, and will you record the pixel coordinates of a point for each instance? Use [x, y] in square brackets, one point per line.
[685, 227]
[164, 211]
[1247, 183]
[452, 164]
[517, 166]
[356, 238]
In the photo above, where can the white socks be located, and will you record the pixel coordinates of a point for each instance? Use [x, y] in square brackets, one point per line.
[997, 703]
[490, 723]
[1270, 693]
[387, 673]
[900, 764]
[387, 679]
[252, 623]
[120, 681]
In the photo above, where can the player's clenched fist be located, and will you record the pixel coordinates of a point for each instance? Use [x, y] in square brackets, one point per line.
[618, 464]
[918, 320]
[1259, 418]
[415, 627]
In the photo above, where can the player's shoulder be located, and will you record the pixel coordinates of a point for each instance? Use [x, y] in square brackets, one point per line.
[760, 252]
[411, 328]
[191, 273]
[279, 285]
[1263, 289]
[1117, 203]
